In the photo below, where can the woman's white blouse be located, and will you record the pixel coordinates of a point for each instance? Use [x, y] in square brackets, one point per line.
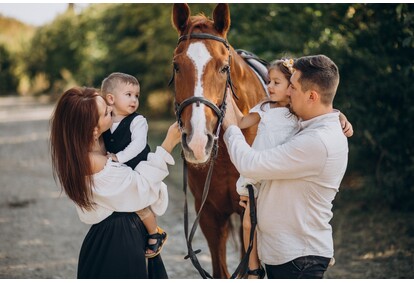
[119, 188]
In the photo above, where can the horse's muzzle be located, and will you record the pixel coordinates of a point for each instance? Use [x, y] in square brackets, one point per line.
[189, 153]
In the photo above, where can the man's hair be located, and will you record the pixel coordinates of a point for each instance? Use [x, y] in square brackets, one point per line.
[111, 83]
[318, 72]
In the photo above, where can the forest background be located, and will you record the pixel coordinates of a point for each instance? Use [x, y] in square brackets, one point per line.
[373, 45]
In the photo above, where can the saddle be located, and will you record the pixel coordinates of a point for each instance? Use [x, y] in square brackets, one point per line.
[258, 65]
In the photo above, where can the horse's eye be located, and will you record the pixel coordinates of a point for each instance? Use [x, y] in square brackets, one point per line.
[176, 68]
[225, 69]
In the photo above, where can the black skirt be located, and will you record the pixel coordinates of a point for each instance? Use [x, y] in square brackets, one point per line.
[115, 248]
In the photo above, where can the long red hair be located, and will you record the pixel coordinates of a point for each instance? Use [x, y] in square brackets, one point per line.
[71, 137]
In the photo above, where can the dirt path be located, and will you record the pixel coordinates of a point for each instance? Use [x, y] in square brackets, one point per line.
[40, 233]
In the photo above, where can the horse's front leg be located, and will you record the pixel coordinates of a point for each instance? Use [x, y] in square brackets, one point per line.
[215, 229]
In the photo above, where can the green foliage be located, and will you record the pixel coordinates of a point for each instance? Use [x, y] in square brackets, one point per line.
[371, 43]
[8, 82]
[55, 50]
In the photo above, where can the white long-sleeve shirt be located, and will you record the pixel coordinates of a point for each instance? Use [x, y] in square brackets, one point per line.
[299, 182]
[119, 188]
[276, 126]
[139, 133]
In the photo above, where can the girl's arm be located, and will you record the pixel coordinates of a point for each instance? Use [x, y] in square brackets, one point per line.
[245, 121]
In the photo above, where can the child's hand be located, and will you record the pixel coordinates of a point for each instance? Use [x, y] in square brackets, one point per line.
[347, 129]
[113, 156]
[346, 126]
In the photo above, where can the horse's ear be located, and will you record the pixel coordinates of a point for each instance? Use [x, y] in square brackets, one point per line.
[221, 17]
[180, 16]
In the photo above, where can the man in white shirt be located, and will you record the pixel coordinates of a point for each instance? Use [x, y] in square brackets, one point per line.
[299, 178]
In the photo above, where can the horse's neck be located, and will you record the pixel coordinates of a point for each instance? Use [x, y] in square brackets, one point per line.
[247, 85]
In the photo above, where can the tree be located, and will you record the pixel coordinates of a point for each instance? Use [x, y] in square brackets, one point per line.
[8, 82]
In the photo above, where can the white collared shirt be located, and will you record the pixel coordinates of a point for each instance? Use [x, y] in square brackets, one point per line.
[299, 182]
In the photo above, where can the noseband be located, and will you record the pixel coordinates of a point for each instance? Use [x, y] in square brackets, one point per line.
[220, 111]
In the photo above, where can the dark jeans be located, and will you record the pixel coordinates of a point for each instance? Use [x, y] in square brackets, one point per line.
[305, 267]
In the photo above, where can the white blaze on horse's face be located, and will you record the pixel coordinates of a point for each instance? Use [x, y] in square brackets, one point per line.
[200, 56]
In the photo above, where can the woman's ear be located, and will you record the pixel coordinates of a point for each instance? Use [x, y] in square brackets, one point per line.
[95, 133]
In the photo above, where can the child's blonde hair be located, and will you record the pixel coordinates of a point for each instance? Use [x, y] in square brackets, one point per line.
[111, 83]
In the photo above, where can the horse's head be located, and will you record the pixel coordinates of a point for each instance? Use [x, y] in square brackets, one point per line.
[201, 74]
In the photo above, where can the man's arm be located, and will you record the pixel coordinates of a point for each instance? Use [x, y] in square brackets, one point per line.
[302, 156]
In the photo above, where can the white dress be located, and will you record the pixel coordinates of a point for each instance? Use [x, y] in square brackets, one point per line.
[277, 125]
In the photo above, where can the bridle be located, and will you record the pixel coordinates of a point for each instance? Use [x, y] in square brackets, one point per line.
[220, 111]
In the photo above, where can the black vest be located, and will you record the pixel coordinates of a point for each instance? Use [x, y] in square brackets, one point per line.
[121, 138]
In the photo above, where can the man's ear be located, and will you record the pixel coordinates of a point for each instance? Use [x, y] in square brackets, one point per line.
[313, 96]
[110, 99]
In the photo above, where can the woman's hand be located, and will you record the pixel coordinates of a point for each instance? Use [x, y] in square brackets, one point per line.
[172, 138]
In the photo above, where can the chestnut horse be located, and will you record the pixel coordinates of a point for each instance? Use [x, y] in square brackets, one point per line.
[203, 64]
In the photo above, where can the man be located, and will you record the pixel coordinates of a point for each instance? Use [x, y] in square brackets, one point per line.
[299, 178]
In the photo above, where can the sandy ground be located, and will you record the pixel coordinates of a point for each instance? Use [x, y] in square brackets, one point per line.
[40, 232]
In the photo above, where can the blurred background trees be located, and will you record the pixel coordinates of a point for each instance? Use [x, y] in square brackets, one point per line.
[373, 45]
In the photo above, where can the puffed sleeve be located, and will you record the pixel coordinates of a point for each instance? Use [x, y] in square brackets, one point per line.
[119, 188]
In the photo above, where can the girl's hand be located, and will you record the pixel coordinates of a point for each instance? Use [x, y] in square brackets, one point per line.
[346, 125]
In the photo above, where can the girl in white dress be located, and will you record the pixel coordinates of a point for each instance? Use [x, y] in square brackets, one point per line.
[276, 126]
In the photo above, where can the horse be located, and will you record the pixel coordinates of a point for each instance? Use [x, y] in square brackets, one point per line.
[204, 67]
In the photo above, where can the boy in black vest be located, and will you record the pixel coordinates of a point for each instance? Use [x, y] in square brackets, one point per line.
[126, 141]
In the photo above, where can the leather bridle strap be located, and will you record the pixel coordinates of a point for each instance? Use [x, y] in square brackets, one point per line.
[204, 36]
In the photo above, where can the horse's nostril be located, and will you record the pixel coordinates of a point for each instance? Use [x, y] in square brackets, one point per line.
[184, 139]
[210, 140]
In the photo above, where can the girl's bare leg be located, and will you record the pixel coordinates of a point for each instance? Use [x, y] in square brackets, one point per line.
[254, 262]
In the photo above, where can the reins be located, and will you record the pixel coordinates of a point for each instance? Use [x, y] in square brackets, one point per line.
[220, 112]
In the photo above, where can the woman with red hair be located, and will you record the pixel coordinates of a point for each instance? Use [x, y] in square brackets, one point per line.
[107, 193]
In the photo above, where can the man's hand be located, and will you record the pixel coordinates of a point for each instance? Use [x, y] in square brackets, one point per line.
[244, 201]
[230, 118]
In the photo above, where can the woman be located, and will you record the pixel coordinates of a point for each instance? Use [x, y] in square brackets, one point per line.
[106, 193]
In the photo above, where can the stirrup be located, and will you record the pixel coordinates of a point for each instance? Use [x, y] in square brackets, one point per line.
[259, 272]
